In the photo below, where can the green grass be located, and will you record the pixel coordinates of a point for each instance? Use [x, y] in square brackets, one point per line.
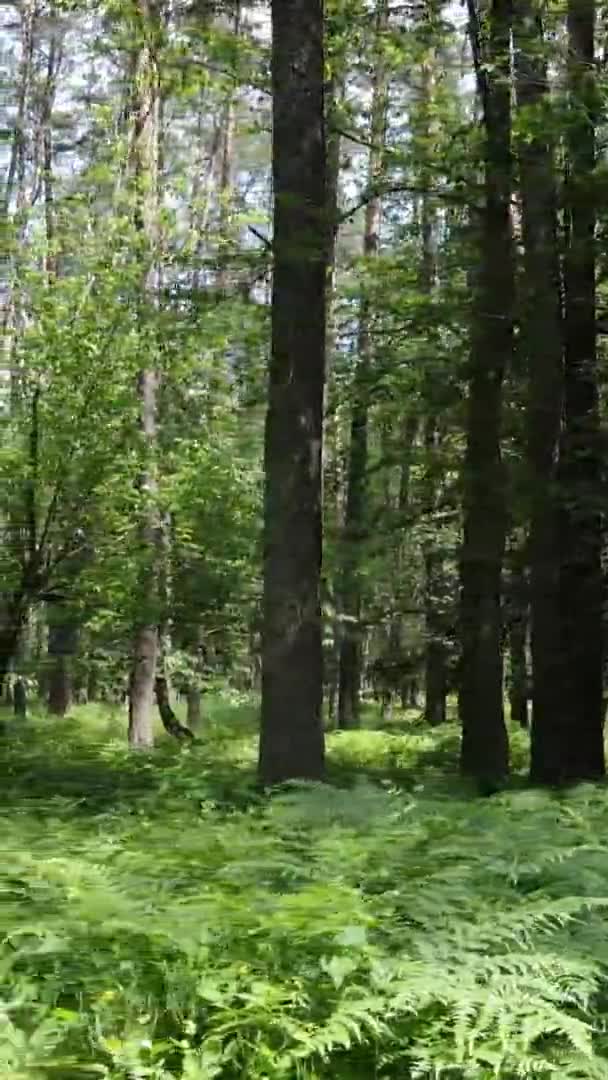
[160, 918]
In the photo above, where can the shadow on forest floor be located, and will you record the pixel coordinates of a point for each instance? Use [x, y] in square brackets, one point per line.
[83, 760]
[82, 763]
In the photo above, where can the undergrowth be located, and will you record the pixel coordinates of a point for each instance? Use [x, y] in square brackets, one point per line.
[161, 918]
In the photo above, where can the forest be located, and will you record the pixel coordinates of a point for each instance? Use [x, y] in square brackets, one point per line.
[303, 561]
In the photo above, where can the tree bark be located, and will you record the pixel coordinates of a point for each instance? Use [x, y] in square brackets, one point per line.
[20, 700]
[193, 708]
[435, 674]
[12, 621]
[225, 192]
[62, 644]
[141, 686]
[542, 346]
[332, 457]
[15, 176]
[291, 738]
[350, 662]
[576, 750]
[517, 619]
[170, 722]
[144, 164]
[484, 749]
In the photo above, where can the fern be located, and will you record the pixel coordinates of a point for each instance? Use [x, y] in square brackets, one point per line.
[152, 928]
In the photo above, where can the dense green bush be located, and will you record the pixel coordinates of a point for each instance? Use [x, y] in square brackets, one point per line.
[162, 919]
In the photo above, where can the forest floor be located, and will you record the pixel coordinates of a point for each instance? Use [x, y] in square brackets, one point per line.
[161, 918]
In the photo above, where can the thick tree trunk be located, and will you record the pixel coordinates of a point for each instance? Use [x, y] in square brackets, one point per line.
[62, 644]
[485, 751]
[542, 345]
[576, 749]
[59, 687]
[291, 738]
[194, 713]
[350, 663]
[141, 687]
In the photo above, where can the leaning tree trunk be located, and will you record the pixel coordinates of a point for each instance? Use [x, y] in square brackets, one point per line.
[144, 165]
[349, 678]
[291, 737]
[576, 749]
[484, 750]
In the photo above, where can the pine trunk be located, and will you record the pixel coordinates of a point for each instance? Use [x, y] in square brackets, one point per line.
[542, 348]
[350, 660]
[291, 738]
[485, 750]
[575, 750]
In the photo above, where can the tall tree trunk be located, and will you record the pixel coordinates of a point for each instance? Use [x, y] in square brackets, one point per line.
[291, 738]
[226, 180]
[334, 93]
[542, 345]
[145, 153]
[435, 674]
[15, 176]
[349, 679]
[15, 186]
[484, 750]
[576, 750]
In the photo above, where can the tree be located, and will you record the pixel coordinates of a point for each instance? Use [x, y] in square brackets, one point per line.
[575, 747]
[291, 739]
[484, 753]
[144, 164]
[542, 349]
[356, 510]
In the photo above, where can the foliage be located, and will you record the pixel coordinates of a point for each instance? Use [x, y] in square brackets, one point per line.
[161, 918]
